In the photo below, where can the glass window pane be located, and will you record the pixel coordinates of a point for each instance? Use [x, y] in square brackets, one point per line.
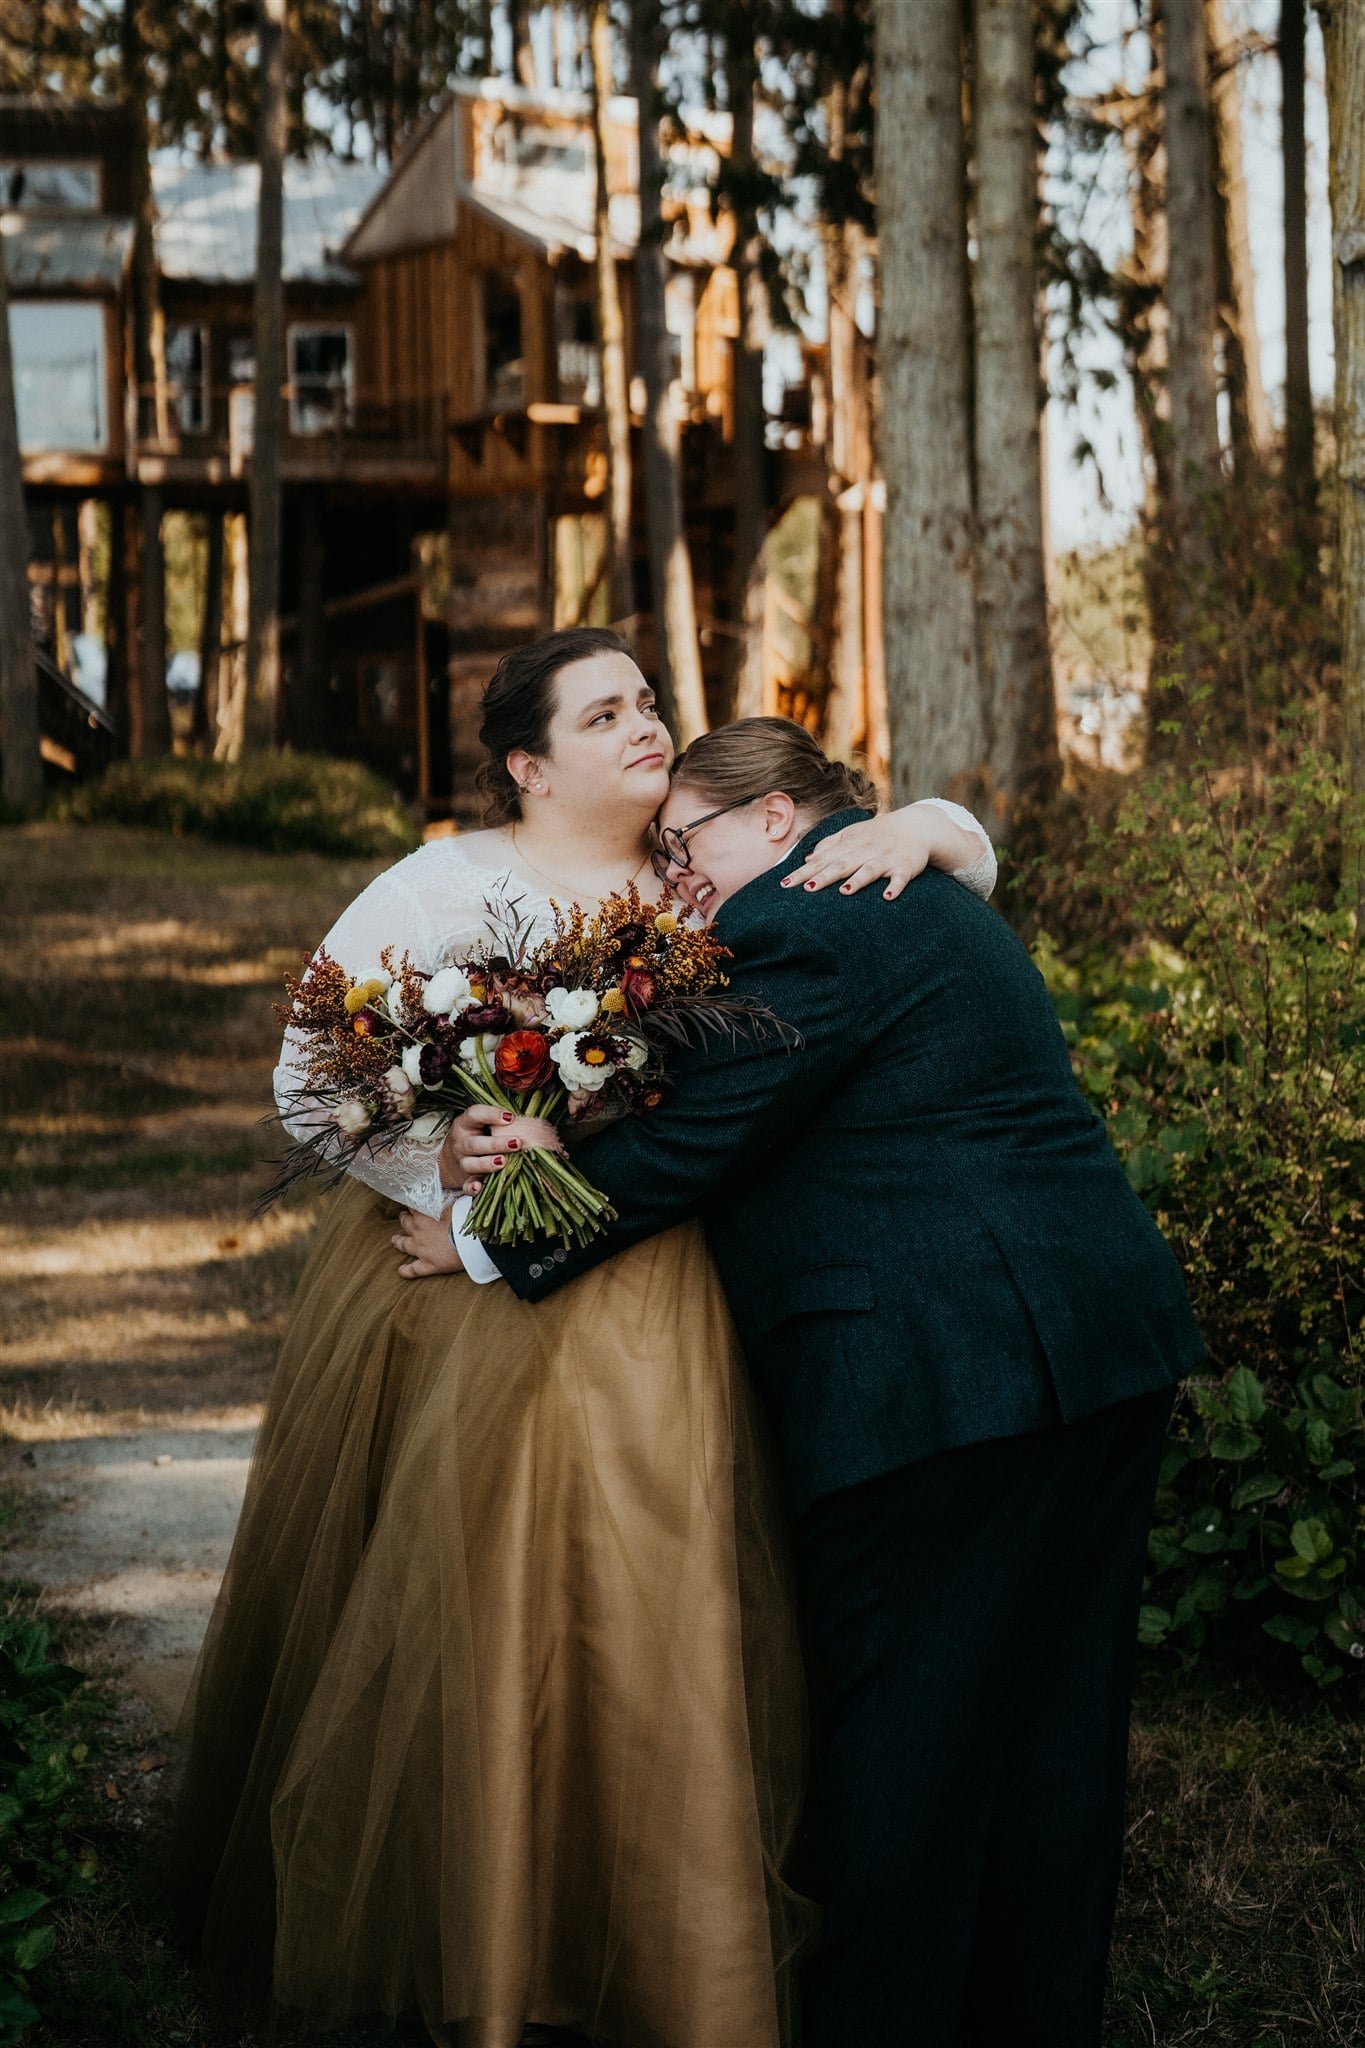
[59, 375]
[319, 378]
[52, 188]
[185, 359]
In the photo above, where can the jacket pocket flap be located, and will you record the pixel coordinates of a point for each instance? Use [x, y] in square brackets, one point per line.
[813, 1290]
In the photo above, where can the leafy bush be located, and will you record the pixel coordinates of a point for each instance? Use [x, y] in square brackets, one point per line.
[1225, 1046]
[282, 802]
[40, 1860]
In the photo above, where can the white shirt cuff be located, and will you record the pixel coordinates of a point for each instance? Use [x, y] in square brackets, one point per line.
[473, 1255]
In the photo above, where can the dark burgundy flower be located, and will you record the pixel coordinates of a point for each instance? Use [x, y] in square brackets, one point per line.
[522, 1060]
[630, 938]
[639, 984]
[486, 1017]
[435, 1064]
[370, 1023]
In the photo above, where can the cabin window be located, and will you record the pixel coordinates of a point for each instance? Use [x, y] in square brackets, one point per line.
[187, 358]
[578, 363]
[59, 376]
[504, 365]
[50, 187]
[319, 379]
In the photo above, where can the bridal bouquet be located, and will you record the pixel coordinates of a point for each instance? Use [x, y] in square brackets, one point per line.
[576, 1029]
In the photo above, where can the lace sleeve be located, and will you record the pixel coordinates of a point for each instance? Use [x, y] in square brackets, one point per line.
[425, 906]
[979, 875]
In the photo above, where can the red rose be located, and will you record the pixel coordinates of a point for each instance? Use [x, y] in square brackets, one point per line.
[639, 985]
[522, 1060]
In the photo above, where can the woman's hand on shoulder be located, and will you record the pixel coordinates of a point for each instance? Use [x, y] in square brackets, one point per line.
[893, 847]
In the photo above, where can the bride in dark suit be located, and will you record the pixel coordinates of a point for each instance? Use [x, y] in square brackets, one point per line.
[500, 1713]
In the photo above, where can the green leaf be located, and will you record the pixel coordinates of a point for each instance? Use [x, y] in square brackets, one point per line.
[1233, 1442]
[1286, 1628]
[21, 1905]
[1246, 1396]
[1340, 1468]
[1263, 1488]
[34, 1948]
[1325, 1674]
[16, 2012]
[1318, 1440]
[1293, 1568]
[1311, 1540]
[1153, 1625]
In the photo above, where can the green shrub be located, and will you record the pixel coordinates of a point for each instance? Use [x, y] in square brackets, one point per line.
[1225, 1047]
[41, 1859]
[284, 803]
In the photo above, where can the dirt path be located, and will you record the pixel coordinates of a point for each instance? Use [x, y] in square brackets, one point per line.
[141, 1306]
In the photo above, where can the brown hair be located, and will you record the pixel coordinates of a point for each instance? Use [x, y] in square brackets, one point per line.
[519, 703]
[762, 756]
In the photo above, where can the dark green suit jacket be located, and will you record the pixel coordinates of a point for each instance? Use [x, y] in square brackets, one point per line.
[923, 1231]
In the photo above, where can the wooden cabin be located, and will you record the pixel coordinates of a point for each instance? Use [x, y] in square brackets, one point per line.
[444, 462]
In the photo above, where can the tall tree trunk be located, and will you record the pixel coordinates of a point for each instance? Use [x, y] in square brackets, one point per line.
[1299, 456]
[232, 690]
[1252, 432]
[523, 53]
[208, 697]
[675, 614]
[22, 784]
[263, 629]
[750, 458]
[611, 327]
[150, 724]
[1343, 28]
[1195, 468]
[1016, 655]
[845, 722]
[938, 731]
[151, 706]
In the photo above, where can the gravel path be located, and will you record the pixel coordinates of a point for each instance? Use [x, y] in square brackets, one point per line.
[132, 1532]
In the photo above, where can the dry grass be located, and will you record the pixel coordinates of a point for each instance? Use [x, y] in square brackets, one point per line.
[135, 1056]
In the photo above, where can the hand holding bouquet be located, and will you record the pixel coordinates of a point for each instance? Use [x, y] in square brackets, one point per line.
[575, 1030]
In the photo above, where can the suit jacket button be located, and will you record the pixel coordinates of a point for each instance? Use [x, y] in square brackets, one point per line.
[536, 1272]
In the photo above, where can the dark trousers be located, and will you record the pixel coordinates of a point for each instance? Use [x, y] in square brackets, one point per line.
[974, 1624]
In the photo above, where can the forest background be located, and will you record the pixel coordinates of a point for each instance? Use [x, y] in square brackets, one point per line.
[932, 188]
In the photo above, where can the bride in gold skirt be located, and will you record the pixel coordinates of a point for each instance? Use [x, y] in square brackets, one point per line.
[500, 1714]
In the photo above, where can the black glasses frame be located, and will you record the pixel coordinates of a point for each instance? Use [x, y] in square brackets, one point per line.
[673, 850]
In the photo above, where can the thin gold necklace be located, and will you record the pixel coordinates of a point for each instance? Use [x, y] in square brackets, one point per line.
[560, 883]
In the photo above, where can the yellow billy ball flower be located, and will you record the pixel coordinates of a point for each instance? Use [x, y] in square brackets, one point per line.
[613, 1002]
[363, 992]
[665, 922]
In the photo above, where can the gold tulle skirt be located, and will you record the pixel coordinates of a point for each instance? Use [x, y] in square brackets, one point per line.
[500, 1712]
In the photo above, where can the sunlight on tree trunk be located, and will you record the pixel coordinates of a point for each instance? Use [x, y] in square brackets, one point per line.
[750, 459]
[261, 728]
[1252, 432]
[611, 327]
[1299, 453]
[938, 732]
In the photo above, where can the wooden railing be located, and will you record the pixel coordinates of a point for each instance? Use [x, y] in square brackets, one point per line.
[324, 417]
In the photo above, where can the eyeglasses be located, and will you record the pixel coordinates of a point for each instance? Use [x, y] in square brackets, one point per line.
[673, 851]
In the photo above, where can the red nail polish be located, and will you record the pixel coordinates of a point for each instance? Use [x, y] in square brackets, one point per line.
[497, 1159]
[508, 1116]
[810, 885]
[514, 1144]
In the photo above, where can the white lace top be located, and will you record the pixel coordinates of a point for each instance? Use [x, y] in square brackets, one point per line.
[434, 905]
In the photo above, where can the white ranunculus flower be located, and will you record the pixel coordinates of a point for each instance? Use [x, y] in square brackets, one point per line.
[397, 1007]
[352, 1117]
[412, 1064]
[571, 1008]
[397, 1083]
[446, 991]
[469, 1048]
[429, 1125]
[637, 1055]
